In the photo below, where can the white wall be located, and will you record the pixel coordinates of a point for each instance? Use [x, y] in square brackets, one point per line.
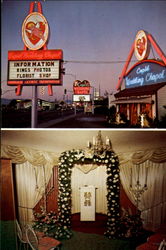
[161, 95]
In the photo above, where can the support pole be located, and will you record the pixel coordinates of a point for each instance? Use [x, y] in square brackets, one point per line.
[93, 100]
[157, 48]
[34, 107]
[125, 67]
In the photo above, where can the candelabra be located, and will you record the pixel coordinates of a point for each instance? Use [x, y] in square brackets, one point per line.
[137, 190]
[98, 146]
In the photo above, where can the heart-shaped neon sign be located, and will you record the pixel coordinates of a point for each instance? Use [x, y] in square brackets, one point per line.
[35, 31]
[141, 45]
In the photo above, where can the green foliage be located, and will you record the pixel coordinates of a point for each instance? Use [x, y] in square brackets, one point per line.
[67, 160]
[46, 222]
[130, 225]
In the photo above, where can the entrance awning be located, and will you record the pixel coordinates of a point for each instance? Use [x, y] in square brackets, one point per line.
[133, 100]
[140, 91]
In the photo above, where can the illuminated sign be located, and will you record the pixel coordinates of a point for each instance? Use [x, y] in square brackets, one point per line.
[81, 88]
[141, 45]
[39, 67]
[35, 31]
[145, 73]
[81, 98]
[35, 70]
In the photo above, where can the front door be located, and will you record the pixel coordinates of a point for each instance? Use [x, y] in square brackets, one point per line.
[133, 113]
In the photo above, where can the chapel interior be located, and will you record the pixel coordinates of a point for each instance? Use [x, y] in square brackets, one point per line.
[95, 182]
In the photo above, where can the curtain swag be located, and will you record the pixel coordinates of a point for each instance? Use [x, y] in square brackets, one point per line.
[38, 157]
[35, 157]
[156, 156]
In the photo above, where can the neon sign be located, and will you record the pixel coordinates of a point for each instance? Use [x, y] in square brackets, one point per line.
[35, 31]
[36, 67]
[81, 88]
[145, 73]
[141, 45]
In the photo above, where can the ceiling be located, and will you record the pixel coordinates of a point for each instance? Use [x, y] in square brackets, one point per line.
[61, 140]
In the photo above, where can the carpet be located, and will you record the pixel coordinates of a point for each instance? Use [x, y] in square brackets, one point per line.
[84, 241]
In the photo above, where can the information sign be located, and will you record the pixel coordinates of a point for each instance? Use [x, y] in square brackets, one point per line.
[39, 67]
[37, 70]
[81, 98]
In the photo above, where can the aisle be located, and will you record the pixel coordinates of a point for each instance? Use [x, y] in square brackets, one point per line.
[95, 227]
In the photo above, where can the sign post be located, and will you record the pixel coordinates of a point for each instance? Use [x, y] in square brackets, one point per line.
[34, 107]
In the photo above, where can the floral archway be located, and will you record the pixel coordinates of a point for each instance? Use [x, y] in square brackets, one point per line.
[66, 163]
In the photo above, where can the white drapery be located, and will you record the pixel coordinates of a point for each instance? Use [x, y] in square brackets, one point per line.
[30, 182]
[89, 174]
[33, 171]
[151, 164]
[26, 189]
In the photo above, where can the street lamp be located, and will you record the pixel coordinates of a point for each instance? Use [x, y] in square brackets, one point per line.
[74, 76]
[6, 91]
[9, 90]
[69, 74]
[93, 99]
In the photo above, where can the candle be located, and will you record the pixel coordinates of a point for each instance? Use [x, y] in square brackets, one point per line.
[131, 175]
[94, 141]
[107, 141]
[88, 144]
[138, 168]
[146, 176]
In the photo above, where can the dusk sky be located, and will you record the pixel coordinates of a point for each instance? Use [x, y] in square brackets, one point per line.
[95, 36]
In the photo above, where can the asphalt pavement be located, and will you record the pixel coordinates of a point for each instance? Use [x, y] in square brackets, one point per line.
[79, 120]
